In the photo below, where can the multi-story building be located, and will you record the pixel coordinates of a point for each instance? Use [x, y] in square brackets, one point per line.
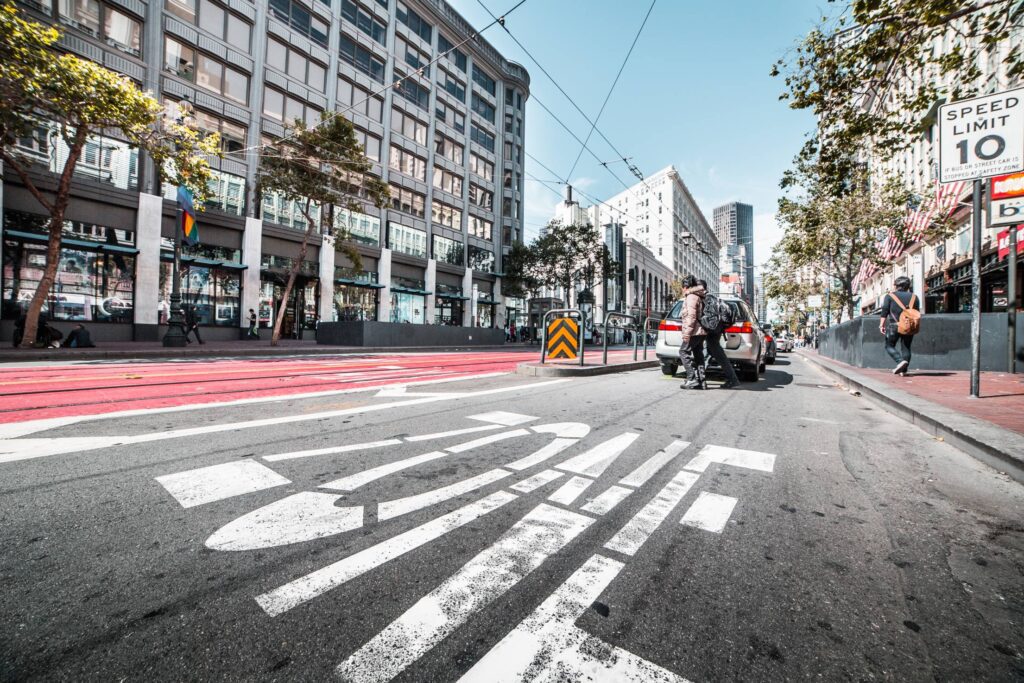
[661, 214]
[760, 303]
[732, 267]
[440, 112]
[734, 228]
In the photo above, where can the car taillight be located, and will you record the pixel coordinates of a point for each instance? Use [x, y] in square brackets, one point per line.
[670, 326]
[741, 328]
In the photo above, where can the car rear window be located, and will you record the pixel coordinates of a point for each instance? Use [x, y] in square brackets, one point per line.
[676, 312]
[739, 312]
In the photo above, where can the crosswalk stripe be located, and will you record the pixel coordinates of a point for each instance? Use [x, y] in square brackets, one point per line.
[454, 432]
[594, 462]
[540, 533]
[607, 500]
[544, 453]
[710, 512]
[484, 440]
[217, 482]
[641, 474]
[304, 589]
[536, 481]
[570, 490]
[637, 530]
[402, 506]
[354, 481]
[331, 450]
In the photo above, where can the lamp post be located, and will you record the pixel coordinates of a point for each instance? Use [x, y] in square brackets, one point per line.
[176, 335]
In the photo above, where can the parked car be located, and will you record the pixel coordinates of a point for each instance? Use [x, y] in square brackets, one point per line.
[743, 341]
[784, 343]
[771, 346]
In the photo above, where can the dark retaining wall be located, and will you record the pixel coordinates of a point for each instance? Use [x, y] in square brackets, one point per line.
[405, 334]
[944, 342]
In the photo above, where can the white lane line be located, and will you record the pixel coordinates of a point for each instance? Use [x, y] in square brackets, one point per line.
[304, 589]
[503, 418]
[547, 451]
[637, 530]
[570, 490]
[330, 450]
[536, 481]
[710, 512]
[401, 506]
[593, 462]
[14, 449]
[354, 481]
[736, 457]
[484, 440]
[217, 482]
[542, 532]
[644, 472]
[454, 432]
[300, 517]
[607, 500]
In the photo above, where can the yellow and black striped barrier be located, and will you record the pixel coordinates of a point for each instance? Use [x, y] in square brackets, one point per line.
[563, 338]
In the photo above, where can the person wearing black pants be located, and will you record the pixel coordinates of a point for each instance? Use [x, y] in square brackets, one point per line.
[191, 324]
[715, 350]
[889, 324]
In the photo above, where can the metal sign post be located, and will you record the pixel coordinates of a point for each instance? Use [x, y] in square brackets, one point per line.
[1006, 210]
[979, 138]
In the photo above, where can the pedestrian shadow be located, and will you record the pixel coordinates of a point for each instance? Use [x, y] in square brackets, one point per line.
[772, 379]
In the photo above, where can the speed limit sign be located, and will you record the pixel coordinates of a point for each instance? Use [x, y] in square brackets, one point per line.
[982, 137]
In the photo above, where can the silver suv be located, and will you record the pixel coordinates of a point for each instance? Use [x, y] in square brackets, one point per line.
[743, 340]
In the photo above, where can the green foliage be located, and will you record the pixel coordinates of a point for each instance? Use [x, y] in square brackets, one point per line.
[518, 265]
[567, 254]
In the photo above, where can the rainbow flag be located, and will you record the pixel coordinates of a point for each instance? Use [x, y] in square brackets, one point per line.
[189, 229]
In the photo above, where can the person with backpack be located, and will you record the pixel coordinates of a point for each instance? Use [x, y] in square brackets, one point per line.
[717, 315]
[691, 351]
[900, 321]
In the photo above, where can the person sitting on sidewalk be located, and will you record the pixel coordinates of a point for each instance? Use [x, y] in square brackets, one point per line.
[79, 338]
[889, 323]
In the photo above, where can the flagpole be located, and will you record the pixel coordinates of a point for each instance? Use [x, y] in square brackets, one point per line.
[175, 336]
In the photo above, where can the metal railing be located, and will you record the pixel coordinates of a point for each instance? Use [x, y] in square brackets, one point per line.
[647, 325]
[604, 334]
[544, 331]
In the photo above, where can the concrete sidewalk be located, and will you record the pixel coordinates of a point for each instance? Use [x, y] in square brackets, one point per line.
[990, 428]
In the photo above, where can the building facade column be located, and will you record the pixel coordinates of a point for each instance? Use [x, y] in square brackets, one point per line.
[327, 256]
[430, 284]
[147, 267]
[468, 312]
[384, 278]
[499, 308]
[252, 248]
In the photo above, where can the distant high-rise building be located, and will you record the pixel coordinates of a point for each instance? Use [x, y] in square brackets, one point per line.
[734, 226]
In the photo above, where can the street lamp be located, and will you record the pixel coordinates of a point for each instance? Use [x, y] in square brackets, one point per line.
[176, 334]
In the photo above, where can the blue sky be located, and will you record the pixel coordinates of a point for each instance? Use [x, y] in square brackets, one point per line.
[696, 93]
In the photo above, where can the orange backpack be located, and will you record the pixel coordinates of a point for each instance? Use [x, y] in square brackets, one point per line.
[909, 322]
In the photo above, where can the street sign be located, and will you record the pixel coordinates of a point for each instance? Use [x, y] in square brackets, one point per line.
[1006, 200]
[814, 301]
[1003, 241]
[563, 338]
[982, 137]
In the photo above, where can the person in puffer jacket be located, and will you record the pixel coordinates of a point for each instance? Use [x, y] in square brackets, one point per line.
[691, 351]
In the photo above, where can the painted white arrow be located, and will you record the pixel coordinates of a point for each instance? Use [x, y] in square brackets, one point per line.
[753, 460]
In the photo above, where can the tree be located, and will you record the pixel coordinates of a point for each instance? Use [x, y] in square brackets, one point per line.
[80, 99]
[567, 254]
[519, 280]
[322, 168]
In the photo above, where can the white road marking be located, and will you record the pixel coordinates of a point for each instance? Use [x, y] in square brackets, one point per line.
[567, 430]
[736, 457]
[536, 481]
[484, 440]
[354, 481]
[503, 418]
[454, 432]
[570, 490]
[607, 500]
[630, 537]
[542, 532]
[709, 512]
[17, 449]
[317, 583]
[814, 419]
[330, 450]
[401, 506]
[548, 646]
[300, 517]
[644, 472]
[594, 462]
[547, 451]
[217, 482]
[400, 390]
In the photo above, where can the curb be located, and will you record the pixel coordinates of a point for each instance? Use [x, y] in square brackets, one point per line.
[538, 370]
[993, 445]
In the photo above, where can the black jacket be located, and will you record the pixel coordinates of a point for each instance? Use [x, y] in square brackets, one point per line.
[891, 310]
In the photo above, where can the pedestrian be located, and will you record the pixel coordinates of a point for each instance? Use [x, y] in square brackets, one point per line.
[19, 329]
[191, 324]
[900, 318]
[253, 332]
[691, 351]
[48, 337]
[714, 337]
[79, 338]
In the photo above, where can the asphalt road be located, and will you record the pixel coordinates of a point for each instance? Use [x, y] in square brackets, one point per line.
[607, 528]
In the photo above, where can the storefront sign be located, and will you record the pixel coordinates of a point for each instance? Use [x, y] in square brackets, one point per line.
[1006, 200]
[1004, 242]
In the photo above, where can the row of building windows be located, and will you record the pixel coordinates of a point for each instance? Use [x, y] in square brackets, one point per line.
[450, 116]
[296, 64]
[214, 18]
[300, 18]
[361, 59]
[205, 71]
[408, 163]
[364, 21]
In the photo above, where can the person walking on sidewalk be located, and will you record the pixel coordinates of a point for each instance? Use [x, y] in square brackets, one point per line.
[191, 324]
[893, 306]
[253, 332]
[691, 351]
[714, 337]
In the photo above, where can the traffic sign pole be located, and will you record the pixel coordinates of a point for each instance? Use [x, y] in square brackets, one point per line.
[976, 296]
[1011, 302]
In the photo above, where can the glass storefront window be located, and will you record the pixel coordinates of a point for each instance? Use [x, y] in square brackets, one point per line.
[450, 305]
[90, 285]
[352, 302]
[481, 260]
[104, 159]
[408, 308]
[215, 293]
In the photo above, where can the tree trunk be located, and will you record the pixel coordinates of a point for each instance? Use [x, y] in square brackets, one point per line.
[276, 336]
[54, 230]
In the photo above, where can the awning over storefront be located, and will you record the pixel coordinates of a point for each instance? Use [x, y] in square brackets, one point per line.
[65, 242]
[406, 290]
[205, 262]
[358, 283]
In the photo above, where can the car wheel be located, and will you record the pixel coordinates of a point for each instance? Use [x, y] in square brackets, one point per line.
[669, 369]
[748, 373]
[761, 368]
[770, 360]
